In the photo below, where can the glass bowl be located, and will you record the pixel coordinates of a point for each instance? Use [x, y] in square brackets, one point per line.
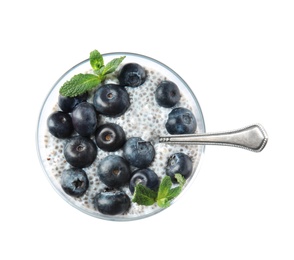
[50, 149]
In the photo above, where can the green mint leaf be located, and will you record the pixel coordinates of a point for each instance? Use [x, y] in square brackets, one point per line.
[82, 83]
[112, 65]
[99, 73]
[163, 203]
[79, 84]
[180, 179]
[96, 60]
[164, 187]
[144, 196]
[174, 192]
[166, 193]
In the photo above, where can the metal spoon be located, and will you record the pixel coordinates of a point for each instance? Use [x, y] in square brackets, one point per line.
[253, 138]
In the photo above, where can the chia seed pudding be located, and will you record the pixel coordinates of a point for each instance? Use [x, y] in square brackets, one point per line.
[144, 118]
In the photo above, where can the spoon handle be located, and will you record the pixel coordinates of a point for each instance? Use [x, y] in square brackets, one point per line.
[252, 138]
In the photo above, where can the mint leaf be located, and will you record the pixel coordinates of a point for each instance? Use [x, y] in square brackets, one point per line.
[166, 192]
[96, 60]
[174, 192]
[144, 196]
[164, 188]
[82, 83]
[79, 84]
[112, 65]
[180, 179]
[163, 203]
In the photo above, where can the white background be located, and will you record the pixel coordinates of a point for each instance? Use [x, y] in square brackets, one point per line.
[238, 56]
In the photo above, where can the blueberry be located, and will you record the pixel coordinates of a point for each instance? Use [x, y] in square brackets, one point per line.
[74, 182]
[145, 177]
[179, 163]
[181, 121]
[84, 119]
[80, 151]
[138, 152]
[60, 124]
[132, 75]
[110, 137]
[111, 100]
[167, 94]
[112, 202]
[67, 104]
[114, 171]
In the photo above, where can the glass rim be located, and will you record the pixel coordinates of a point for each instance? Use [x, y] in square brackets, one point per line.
[38, 139]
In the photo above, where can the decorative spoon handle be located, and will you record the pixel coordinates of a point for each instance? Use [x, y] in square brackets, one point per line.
[252, 138]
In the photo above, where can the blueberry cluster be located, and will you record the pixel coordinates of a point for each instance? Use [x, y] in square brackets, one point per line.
[78, 122]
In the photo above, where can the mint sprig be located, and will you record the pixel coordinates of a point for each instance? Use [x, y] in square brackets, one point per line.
[96, 60]
[82, 83]
[163, 197]
[144, 196]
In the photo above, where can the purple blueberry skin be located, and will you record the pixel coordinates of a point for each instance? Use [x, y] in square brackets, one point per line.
[138, 152]
[146, 177]
[179, 163]
[74, 182]
[67, 104]
[112, 202]
[114, 171]
[80, 152]
[111, 100]
[181, 121]
[60, 124]
[110, 137]
[84, 119]
[132, 75]
[167, 94]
